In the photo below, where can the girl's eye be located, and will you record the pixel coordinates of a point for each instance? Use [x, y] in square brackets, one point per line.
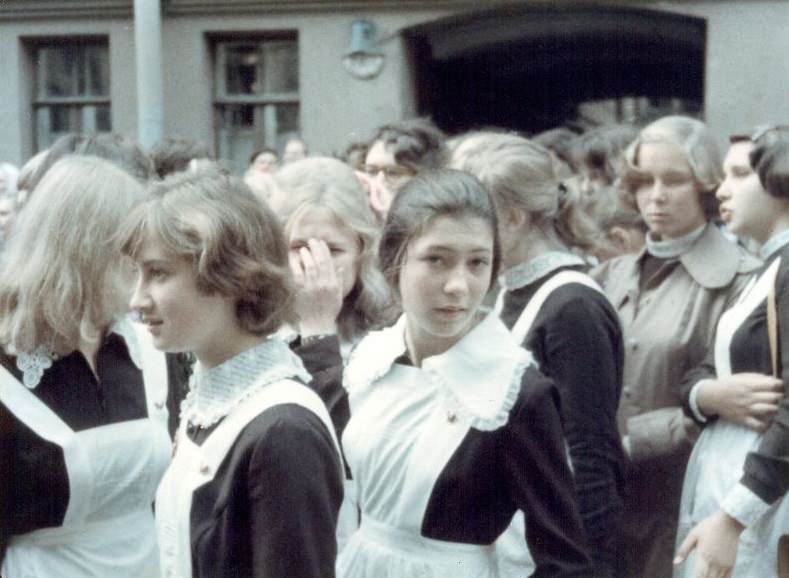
[157, 273]
[675, 180]
[434, 259]
[642, 183]
[335, 250]
[741, 173]
[480, 262]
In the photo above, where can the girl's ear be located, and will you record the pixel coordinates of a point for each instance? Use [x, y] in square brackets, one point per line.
[514, 219]
[627, 240]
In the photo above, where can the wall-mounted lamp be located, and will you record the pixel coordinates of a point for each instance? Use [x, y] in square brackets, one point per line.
[363, 59]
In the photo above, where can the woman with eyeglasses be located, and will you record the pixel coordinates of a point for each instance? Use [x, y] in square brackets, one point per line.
[733, 506]
[669, 297]
[396, 152]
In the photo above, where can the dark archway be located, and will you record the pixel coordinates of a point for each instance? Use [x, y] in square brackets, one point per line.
[529, 66]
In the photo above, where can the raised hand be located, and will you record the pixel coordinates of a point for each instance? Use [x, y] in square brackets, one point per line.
[318, 289]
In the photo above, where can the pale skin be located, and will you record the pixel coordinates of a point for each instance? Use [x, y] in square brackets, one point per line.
[324, 258]
[179, 316]
[319, 296]
[749, 399]
[443, 278]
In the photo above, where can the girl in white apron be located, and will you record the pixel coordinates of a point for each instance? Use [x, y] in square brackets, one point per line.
[730, 517]
[559, 314]
[452, 430]
[255, 484]
[82, 397]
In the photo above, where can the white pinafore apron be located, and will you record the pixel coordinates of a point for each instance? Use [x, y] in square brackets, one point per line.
[113, 472]
[514, 558]
[194, 466]
[716, 464]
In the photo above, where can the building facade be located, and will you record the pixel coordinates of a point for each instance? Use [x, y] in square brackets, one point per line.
[239, 74]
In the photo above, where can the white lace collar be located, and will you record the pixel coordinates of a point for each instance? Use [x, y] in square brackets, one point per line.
[482, 371]
[214, 392]
[527, 273]
[34, 363]
[670, 248]
[773, 244]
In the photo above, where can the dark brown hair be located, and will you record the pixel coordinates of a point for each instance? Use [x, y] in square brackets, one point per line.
[770, 160]
[431, 194]
[416, 143]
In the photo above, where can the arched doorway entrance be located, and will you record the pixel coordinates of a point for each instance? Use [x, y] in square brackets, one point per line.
[536, 66]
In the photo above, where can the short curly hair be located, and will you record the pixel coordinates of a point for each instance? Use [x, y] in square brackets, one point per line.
[234, 241]
[415, 143]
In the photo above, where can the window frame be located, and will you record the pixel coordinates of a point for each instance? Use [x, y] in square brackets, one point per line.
[264, 127]
[87, 104]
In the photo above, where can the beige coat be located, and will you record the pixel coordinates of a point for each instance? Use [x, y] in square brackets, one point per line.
[668, 328]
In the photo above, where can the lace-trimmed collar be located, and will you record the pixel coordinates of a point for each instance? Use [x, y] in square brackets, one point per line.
[215, 392]
[671, 248]
[774, 244]
[482, 372]
[527, 273]
[34, 363]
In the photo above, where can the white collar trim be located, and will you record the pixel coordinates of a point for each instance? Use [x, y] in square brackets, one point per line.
[527, 273]
[215, 392]
[482, 371]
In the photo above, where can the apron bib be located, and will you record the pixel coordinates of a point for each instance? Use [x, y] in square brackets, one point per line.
[194, 466]
[113, 472]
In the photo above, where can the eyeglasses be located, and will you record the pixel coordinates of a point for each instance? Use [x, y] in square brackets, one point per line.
[759, 132]
[391, 173]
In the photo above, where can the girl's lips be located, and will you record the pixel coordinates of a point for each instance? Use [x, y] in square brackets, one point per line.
[450, 311]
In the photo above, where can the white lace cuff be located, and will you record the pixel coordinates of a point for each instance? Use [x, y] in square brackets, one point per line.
[743, 505]
[694, 402]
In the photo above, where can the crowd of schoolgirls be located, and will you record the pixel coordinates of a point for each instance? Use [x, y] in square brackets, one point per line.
[484, 356]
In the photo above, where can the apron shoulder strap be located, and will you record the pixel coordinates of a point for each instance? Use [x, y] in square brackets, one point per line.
[31, 411]
[215, 448]
[526, 319]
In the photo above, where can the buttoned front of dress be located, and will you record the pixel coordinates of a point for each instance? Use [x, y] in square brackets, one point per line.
[668, 323]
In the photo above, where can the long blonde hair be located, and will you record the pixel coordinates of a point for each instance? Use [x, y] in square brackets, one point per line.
[331, 184]
[61, 279]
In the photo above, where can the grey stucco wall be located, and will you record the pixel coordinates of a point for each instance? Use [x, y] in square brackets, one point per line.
[747, 72]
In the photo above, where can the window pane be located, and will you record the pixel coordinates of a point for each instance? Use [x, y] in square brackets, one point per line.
[287, 123]
[65, 119]
[280, 66]
[59, 75]
[98, 70]
[103, 118]
[73, 69]
[237, 137]
[241, 68]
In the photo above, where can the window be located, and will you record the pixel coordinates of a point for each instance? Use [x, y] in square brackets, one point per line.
[72, 89]
[256, 96]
